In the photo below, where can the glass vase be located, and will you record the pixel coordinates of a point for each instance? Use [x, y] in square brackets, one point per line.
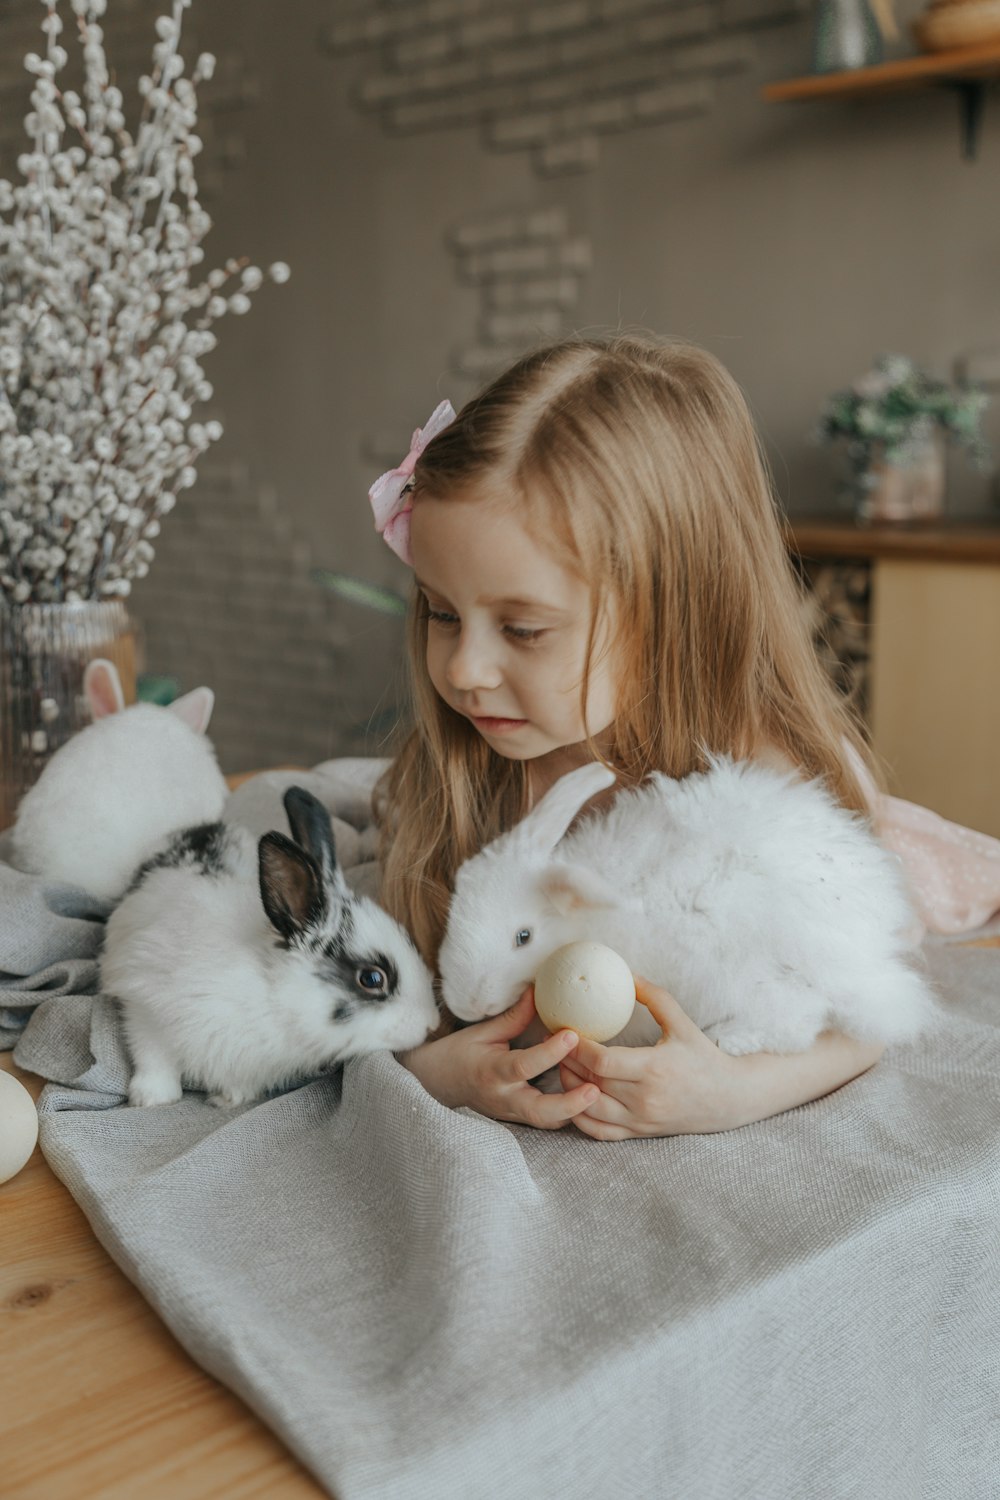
[44, 649]
[846, 36]
[909, 491]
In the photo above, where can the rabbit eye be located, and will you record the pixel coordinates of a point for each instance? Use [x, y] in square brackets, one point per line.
[524, 936]
[371, 979]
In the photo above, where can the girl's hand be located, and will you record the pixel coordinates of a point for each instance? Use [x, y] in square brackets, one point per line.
[685, 1084]
[682, 1085]
[477, 1067]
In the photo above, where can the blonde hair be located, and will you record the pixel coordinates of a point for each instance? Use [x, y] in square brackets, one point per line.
[638, 462]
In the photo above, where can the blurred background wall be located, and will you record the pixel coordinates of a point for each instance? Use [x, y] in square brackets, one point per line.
[452, 181]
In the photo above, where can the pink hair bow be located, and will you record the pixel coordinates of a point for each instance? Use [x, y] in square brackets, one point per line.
[388, 493]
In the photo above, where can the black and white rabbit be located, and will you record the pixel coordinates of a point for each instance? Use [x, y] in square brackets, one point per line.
[243, 964]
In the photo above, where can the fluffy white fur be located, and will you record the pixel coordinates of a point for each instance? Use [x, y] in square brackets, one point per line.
[769, 911]
[111, 795]
[213, 998]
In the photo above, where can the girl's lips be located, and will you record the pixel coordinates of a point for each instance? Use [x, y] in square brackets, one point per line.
[497, 726]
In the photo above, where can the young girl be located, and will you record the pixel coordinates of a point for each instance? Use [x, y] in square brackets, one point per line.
[600, 573]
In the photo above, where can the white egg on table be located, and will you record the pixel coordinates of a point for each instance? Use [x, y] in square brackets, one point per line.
[587, 987]
[18, 1126]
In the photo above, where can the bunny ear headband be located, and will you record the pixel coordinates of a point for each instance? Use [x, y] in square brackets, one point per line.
[389, 493]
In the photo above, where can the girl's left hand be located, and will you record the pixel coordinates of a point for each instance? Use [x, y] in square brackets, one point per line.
[684, 1085]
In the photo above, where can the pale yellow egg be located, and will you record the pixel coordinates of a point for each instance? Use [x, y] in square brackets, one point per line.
[586, 987]
[18, 1126]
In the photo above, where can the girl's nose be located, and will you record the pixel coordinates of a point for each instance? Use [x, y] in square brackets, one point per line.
[471, 665]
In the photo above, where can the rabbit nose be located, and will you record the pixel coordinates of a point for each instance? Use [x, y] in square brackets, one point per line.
[476, 1007]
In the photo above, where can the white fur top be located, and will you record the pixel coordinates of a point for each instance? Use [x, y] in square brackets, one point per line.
[768, 910]
[111, 795]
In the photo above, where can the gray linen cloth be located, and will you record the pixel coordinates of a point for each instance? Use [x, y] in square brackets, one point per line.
[427, 1304]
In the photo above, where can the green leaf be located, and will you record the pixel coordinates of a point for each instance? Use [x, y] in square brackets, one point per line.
[152, 689]
[358, 591]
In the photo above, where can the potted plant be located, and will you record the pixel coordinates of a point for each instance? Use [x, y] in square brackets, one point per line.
[896, 421]
[102, 333]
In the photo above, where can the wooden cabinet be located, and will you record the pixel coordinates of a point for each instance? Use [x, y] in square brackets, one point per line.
[932, 695]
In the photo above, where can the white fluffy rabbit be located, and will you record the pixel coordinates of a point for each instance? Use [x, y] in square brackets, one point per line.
[113, 793]
[768, 910]
[242, 965]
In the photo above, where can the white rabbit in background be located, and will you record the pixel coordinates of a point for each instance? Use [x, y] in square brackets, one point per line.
[768, 910]
[111, 796]
[243, 965]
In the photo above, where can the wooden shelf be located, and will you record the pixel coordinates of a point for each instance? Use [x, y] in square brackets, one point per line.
[964, 65]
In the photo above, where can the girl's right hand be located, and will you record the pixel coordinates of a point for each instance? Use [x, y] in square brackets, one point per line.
[477, 1067]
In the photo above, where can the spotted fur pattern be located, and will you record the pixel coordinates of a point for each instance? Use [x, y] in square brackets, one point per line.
[245, 965]
[208, 849]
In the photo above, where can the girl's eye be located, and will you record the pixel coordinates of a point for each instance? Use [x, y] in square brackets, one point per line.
[516, 632]
[371, 979]
[524, 936]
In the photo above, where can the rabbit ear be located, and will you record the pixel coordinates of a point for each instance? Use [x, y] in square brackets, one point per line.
[309, 821]
[291, 886]
[572, 888]
[545, 825]
[195, 708]
[102, 688]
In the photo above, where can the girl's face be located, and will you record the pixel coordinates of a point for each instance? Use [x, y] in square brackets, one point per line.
[507, 630]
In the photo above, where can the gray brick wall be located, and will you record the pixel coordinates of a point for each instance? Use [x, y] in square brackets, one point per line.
[528, 267]
[545, 76]
[229, 601]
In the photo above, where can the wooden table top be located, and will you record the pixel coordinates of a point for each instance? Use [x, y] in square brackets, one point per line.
[133, 1417]
[98, 1401]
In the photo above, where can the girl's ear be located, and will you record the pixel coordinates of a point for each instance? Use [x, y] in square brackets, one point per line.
[195, 708]
[573, 888]
[102, 688]
[545, 825]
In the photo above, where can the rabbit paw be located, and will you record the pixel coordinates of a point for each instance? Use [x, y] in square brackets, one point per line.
[736, 1042]
[148, 1089]
[228, 1101]
[740, 1040]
